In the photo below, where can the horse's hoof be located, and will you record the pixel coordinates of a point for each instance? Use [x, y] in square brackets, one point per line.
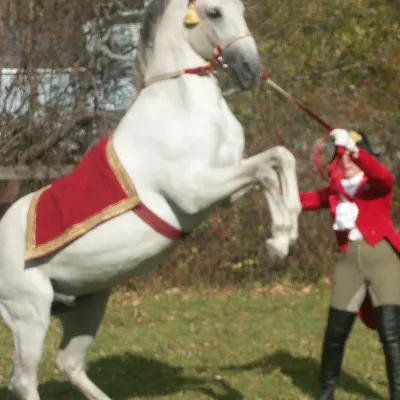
[278, 248]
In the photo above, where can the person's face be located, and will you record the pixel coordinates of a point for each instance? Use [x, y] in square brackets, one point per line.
[350, 169]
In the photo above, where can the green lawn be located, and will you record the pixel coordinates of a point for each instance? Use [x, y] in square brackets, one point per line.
[212, 346]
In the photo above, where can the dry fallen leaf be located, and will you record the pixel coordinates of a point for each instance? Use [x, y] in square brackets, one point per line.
[306, 289]
[278, 290]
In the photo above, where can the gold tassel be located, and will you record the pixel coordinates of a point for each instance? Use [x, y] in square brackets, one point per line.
[192, 17]
[355, 136]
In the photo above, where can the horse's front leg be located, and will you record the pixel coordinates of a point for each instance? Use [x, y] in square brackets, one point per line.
[279, 183]
[194, 187]
[281, 218]
[285, 165]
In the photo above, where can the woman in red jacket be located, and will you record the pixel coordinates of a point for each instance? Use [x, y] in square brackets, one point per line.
[359, 197]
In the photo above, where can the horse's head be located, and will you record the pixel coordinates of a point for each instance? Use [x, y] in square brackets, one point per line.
[217, 28]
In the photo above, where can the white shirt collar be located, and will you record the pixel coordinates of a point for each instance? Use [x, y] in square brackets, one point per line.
[354, 180]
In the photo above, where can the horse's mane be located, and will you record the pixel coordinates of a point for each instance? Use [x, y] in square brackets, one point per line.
[151, 18]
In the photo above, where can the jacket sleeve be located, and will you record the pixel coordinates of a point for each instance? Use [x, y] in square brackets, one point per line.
[378, 175]
[314, 200]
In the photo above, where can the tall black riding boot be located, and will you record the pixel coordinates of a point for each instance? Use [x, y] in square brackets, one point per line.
[388, 320]
[336, 333]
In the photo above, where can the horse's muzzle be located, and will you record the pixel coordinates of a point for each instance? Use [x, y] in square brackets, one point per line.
[244, 66]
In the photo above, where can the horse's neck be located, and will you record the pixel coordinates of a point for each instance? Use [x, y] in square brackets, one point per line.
[171, 52]
[195, 119]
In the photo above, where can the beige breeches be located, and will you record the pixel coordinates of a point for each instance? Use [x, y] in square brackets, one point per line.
[364, 268]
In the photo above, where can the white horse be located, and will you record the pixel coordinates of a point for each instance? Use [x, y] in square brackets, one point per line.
[183, 150]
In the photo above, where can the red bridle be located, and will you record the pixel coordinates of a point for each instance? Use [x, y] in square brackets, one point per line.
[218, 47]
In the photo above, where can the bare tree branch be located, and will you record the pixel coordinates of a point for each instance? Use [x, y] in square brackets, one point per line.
[100, 46]
[105, 50]
[127, 17]
[51, 140]
[27, 172]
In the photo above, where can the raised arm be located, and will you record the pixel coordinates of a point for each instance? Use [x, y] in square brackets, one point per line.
[379, 176]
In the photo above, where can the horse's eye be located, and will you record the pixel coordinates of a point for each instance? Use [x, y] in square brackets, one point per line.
[214, 13]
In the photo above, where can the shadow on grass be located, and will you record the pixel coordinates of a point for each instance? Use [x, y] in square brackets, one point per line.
[129, 375]
[304, 373]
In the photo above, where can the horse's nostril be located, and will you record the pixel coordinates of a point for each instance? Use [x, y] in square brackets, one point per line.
[247, 67]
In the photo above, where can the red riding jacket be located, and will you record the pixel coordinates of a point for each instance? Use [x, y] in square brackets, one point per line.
[373, 199]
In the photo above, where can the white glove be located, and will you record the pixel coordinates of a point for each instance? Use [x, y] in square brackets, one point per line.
[341, 137]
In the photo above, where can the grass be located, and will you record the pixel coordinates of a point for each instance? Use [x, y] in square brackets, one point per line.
[224, 346]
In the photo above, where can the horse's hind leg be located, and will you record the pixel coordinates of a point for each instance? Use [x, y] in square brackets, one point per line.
[80, 328]
[27, 314]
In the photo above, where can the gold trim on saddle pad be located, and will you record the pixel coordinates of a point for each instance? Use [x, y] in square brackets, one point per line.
[72, 233]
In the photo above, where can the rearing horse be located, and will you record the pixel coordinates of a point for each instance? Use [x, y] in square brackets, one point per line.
[181, 148]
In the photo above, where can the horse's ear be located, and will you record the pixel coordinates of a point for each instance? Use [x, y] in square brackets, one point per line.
[192, 17]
